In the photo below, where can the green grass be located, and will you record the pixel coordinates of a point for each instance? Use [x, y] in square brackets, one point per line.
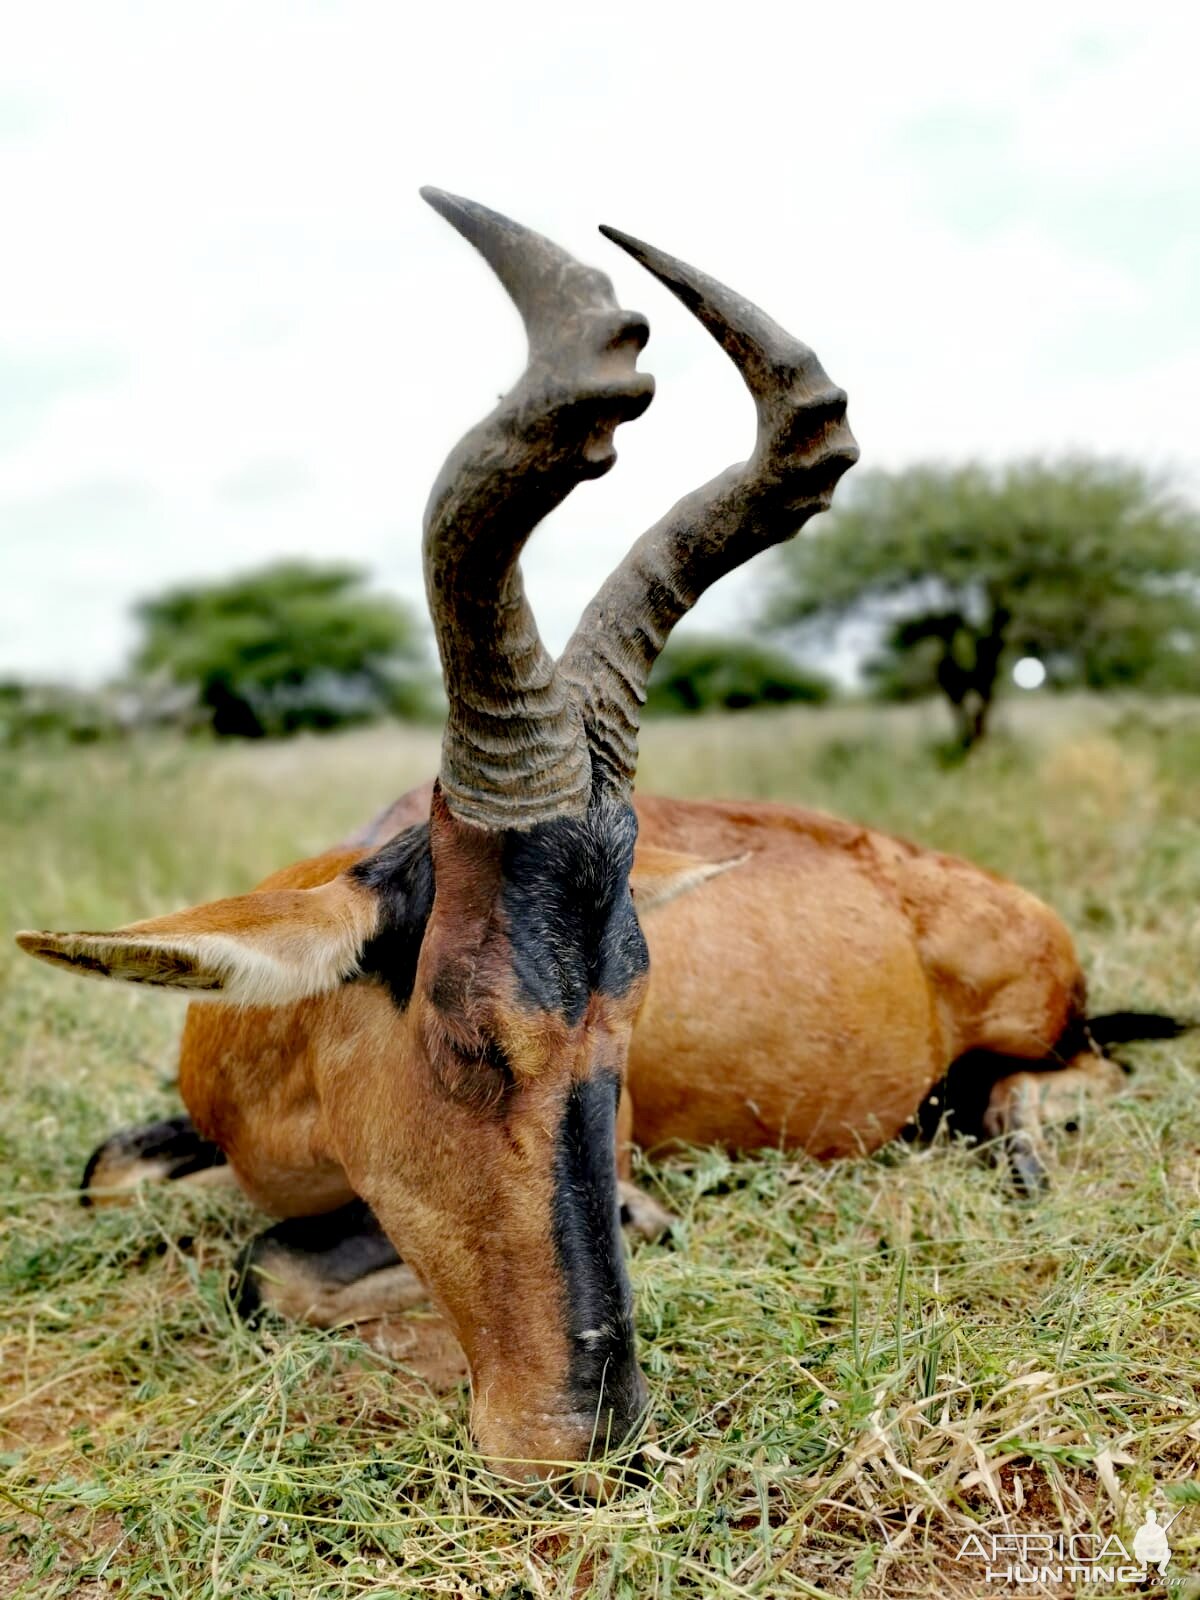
[853, 1366]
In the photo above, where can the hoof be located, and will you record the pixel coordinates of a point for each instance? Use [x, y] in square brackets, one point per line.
[1029, 1177]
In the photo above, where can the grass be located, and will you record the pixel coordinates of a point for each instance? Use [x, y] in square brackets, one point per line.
[854, 1366]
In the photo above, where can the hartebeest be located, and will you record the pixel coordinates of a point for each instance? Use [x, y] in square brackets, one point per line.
[445, 1030]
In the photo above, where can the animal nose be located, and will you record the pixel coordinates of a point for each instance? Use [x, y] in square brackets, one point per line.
[619, 1410]
[540, 1446]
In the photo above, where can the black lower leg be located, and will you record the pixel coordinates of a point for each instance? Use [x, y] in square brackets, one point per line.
[171, 1149]
[317, 1267]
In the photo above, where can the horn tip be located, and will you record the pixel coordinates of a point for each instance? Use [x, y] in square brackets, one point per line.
[446, 204]
[626, 241]
[677, 277]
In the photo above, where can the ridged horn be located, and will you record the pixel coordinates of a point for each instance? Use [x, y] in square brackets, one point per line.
[803, 447]
[514, 752]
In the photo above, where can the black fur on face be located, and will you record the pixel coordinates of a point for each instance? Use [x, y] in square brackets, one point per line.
[588, 1243]
[571, 922]
[566, 900]
[400, 874]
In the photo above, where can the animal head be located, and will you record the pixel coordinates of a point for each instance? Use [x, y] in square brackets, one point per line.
[485, 969]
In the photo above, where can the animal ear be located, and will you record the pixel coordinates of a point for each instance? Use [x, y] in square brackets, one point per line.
[266, 948]
[662, 875]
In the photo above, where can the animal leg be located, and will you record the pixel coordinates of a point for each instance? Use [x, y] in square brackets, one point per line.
[326, 1270]
[170, 1150]
[1023, 1104]
[339, 1269]
[641, 1216]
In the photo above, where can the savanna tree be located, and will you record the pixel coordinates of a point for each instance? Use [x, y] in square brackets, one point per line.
[1090, 565]
[287, 647]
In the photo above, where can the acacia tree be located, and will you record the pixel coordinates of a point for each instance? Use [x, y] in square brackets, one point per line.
[1091, 565]
[287, 647]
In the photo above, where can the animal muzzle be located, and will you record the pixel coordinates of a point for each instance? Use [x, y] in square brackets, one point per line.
[525, 1443]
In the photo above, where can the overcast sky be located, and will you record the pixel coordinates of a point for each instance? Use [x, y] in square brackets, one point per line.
[230, 330]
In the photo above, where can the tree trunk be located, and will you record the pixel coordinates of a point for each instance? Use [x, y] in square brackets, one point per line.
[232, 716]
[971, 690]
[977, 722]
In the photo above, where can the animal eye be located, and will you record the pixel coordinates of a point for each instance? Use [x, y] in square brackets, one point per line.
[492, 1057]
[475, 1072]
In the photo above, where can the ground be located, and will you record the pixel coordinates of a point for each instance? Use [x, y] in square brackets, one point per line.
[854, 1367]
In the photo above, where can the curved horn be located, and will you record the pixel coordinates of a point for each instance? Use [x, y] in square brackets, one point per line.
[514, 752]
[804, 445]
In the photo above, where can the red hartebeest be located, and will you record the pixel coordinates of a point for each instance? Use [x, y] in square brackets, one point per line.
[443, 1032]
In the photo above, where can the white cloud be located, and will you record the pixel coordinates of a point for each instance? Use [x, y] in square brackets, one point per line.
[210, 215]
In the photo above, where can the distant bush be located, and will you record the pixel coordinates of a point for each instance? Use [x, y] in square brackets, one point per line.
[286, 648]
[36, 712]
[55, 713]
[711, 672]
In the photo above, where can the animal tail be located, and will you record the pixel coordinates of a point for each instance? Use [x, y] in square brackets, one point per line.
[1120, 1027]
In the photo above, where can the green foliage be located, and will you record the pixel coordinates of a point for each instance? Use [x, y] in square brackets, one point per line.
[1089, 565]
[707, 672]
[288, 647]
[32, 712]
